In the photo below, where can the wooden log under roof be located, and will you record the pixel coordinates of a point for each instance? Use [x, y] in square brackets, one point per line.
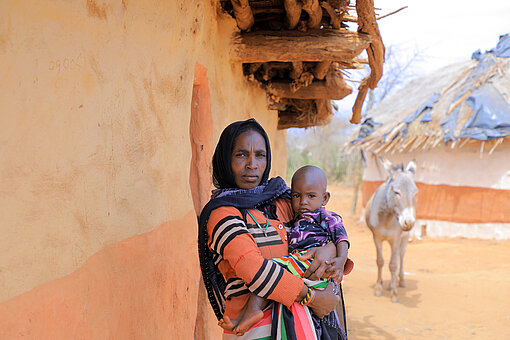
[317, 90]
[288, 46]
[333, 88]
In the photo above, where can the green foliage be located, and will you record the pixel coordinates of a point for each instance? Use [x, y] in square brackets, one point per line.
[324, 148]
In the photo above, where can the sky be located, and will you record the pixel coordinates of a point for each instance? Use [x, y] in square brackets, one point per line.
[445, 32]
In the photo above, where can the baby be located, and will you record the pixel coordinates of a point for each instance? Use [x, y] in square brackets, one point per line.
[313, 227]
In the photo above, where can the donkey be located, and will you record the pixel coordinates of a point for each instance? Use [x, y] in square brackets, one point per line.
[390, 214]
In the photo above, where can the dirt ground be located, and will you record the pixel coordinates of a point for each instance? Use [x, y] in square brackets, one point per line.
[456, 288]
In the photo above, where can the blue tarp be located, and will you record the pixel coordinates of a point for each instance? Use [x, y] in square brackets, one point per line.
[502, 49]
[449, 122]
[491, 115]
[366, 129]
[491, 112]
[425, 107]
[503, 46]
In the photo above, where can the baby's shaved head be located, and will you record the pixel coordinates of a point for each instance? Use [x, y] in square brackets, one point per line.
[313, 174]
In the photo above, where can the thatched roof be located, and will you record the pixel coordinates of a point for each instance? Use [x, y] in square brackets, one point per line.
[468, 102]
[297, 50]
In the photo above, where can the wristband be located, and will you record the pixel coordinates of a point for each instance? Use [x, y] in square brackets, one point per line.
[310, 295]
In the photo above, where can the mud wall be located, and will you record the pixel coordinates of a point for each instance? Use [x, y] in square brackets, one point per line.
[461, 192]
[98, 189]
[457, 167]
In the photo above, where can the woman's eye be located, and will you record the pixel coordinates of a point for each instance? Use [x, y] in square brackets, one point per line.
[311, 196]
[397, 193]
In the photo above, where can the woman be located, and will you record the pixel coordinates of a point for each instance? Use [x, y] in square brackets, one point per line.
[242, 226]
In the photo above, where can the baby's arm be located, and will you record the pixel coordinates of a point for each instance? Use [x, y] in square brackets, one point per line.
[342, 249]
[340, 265]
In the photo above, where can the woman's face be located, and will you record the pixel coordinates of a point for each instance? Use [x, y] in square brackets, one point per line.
[249, 159]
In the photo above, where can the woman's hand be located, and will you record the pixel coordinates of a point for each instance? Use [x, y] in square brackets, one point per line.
[319, 264]
[324, 301]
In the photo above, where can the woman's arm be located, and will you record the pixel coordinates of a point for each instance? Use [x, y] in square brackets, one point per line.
[230, 239]
[324, 301]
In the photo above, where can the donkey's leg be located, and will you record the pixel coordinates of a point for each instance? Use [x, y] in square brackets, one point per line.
[380, 263]
[403, 245]
[395, 247]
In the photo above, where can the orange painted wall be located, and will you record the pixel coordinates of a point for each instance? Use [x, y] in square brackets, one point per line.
[455, 203]
[117, 294]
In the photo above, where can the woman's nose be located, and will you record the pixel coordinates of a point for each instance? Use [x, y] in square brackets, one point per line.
[251, 163]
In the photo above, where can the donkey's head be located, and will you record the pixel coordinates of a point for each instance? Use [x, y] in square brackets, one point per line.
[401, 192]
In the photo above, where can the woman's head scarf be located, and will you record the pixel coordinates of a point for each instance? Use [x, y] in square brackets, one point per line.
[222, 171]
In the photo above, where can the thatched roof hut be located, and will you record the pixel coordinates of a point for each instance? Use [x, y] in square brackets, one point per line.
[456, 124]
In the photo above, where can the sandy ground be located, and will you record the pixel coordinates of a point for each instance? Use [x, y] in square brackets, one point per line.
[456, 288]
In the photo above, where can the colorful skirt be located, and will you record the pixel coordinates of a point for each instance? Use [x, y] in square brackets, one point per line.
[296, 323]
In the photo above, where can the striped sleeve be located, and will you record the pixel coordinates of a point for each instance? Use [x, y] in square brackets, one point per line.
[265, 280]
[230, 238]
[225, 231]
[235, 287]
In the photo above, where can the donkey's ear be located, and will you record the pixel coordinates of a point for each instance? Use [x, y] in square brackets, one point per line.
[386, 164]
[411, 166]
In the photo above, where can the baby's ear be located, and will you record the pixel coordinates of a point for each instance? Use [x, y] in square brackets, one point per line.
[325, 198]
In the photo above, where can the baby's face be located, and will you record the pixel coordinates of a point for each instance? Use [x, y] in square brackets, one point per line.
[308, 194]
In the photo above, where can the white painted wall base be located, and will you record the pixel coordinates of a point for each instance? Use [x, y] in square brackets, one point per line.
[433, 228]
[497, 231]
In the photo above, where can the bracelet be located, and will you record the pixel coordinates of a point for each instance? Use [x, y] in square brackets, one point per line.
[310, 295]
[313, 296]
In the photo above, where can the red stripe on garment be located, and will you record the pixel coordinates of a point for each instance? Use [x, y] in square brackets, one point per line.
[304, 330]
[296, 266]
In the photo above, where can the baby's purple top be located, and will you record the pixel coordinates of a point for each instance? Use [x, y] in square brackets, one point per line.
[315, 229]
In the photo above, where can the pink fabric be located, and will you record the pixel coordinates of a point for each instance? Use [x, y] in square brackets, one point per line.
[303, 322]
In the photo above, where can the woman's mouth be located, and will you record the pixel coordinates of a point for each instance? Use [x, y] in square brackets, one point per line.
[250, 178]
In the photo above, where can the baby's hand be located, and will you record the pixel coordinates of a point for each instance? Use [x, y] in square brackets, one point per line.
[335, 270]
[319, 265]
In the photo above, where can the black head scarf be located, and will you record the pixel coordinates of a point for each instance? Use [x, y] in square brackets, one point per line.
[222, 171]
